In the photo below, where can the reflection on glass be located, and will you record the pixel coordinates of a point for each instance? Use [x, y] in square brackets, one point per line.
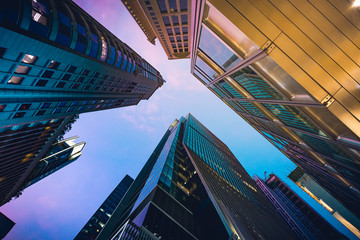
[216, 50]
[205, 68]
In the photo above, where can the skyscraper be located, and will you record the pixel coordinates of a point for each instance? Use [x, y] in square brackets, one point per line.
[93, 227]
[290, 70]
[58, 156]
[57, 61]
[6, 225]
[196, 189]
[169, 21]
[319, 194]
[305, 222]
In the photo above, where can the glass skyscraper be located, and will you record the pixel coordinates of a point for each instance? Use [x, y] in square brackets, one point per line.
[93, 227]
[195, 188]
[305, 222]
[56, 61]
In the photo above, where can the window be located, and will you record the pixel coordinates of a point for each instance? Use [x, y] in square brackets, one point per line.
[94, 44]
[39, 12]
[184, 19]
[66, 76]
[46, 105]
[80, 79]
[85, 72]
[61, 104]
[72, 69]
[166, 20]
[2, 107]
[30, 59]
[177, 30]
[19, 115]
[41, 112]
[22, 69]
[60, 85]
[175, 20]
[87, 87]
[185, 30]
[169, 31]
[64, 28]
[75, 86]
[172, 5]
[54, 65]
[183, 5]
[103, 49]
[24, 107]
[41, 83]
[172, 39]
[47, 74]
[15, 80]
[57, 110]
[2, 52]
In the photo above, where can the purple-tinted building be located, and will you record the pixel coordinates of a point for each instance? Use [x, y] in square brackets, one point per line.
[304, 221]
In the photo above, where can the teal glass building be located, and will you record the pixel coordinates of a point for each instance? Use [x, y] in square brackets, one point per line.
[56, 62]
[195, 188]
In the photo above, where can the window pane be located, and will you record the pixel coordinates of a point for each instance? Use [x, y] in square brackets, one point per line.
[216, 50]
[205, 68]
[15, 80]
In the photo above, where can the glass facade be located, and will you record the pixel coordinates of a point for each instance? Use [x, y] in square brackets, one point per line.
[276, 102]
[197, 189]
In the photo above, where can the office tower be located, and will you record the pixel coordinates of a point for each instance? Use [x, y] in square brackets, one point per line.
[93, 227]
[21, 147]
[336, 208]
[196, 189]
[290, 69]
[169, 21]
[56, 61]
[58, 156]
[6, 225]
[305, 222]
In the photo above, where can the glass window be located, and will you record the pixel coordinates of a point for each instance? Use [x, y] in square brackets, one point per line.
[175, 20]
[48, 74]
[185, 30]
[183, 5]
[112, 55]
[172, 39]
[22, 69]
[177, 30]
[41, 112]
[119, 62]
[15, 80]
[57, 110]
[40, 16]
[205, 68]
[60, 84]
[30, 59]
[166, 20]
[169, 31]
[53, 64]
[24, 107]
[2, 107]
[184, 19]
[64, 27]
[172, 5]
[81, 36]
[19, 115]
[61, 104]
[66, 76]
[2, 52]
[103, 49]
[46, 105]
[94, 45]
[162, 5]
[216, 50]
[72, 69]
[41, 83]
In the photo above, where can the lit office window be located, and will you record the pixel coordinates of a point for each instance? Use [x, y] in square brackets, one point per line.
[22, 69]
[15, 80]
[103, 49]
[30, 59]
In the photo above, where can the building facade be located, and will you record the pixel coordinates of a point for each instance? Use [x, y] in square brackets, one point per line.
[319, 194]
[56, 61]
[305, 222]
[169, 21]
[6, 224]
[93, 227]
[58, 156]
[274, 64]
[197, 189]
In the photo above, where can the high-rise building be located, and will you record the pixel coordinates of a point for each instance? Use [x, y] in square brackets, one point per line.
[57, 61]
[196, 189]
[6, 225]
[58, 156]
[169, 21]
[21, 147]
[337, 209]
[93, 227]
[305, 221]
[290, 69]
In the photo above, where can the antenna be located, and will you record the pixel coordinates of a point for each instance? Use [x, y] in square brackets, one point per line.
[265, 175]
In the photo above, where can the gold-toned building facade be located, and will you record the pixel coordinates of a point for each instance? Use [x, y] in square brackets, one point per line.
[167, 20]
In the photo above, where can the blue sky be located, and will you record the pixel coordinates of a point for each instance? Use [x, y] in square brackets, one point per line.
[119, 141]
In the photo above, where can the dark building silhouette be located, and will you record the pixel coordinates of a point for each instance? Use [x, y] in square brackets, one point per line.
[96, 223]
[6, 225]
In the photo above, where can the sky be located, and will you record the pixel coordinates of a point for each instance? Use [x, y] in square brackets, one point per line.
[119, 141]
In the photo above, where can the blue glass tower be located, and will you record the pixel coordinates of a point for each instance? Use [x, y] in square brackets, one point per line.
[196, 189]
[56, 61]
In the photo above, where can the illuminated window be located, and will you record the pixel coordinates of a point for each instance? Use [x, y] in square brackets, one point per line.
[22, 69]
[53, 64]
[15, 80]
[104, 49]
[30, 59]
